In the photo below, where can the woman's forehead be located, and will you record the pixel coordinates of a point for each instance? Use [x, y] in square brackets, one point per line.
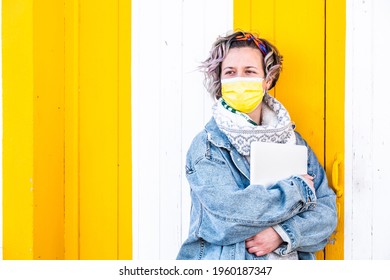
[246, 56]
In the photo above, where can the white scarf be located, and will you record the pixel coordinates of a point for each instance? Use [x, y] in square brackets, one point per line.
[276, 125]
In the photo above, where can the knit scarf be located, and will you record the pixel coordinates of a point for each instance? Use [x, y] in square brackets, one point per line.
[276, 126]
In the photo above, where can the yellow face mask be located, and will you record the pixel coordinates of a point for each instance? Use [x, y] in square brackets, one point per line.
[243, 94]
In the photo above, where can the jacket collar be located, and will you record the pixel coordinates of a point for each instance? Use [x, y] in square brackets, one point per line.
[219, 139]
[216, 136]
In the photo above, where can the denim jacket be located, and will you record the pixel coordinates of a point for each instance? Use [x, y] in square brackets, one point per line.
[226, 209]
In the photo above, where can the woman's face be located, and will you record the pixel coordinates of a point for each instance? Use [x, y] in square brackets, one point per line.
[242, 62]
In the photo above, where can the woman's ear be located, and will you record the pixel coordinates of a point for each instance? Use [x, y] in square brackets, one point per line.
[267, 84]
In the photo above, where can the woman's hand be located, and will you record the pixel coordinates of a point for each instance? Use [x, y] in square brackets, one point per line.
[264, 242]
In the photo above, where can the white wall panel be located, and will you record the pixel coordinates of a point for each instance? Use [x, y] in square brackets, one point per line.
[170, 124]
[193, 90]
[367, 225]
[170, 106]
[381, 126]
[146, 96]
[359, 215]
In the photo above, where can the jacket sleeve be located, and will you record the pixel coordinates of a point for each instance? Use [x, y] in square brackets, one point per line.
[310, 231]
[229, 213]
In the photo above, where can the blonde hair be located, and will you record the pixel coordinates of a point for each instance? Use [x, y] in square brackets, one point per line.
[239, 39]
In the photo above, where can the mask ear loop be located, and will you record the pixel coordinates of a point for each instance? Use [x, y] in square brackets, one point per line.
[265, 87]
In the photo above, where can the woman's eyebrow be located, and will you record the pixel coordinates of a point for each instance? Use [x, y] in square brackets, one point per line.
[246, 67]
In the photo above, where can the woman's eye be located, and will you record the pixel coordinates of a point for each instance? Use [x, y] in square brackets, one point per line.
[229, 72]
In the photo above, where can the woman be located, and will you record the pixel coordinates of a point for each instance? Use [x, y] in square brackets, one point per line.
[230, 218]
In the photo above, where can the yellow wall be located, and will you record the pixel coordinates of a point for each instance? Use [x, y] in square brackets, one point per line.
[67, 130]
[18, 95]
[310, 36]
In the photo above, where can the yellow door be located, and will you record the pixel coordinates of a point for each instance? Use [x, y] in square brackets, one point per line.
[310, 36]
[67, 129]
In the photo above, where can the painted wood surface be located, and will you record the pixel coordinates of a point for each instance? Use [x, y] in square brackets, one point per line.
[17, 181]
[367, 225]
[334, 115]
[67, 128]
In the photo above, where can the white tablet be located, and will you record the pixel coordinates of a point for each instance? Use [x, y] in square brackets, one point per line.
[272, 162]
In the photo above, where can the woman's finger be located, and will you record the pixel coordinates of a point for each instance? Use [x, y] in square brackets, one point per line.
[249, 244]
[254, 250]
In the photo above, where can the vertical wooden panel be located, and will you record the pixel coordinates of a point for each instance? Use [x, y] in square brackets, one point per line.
[124, 132]
[146, 110]
[194, 92]
[18, 86]
[98, 129]
[48, 129]
[367, 149]
[38, 221]
[135, 125]
[359, 197]
[381, 136]
[242, 14]
[72, 159]
[169, 123]
[335, 77]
